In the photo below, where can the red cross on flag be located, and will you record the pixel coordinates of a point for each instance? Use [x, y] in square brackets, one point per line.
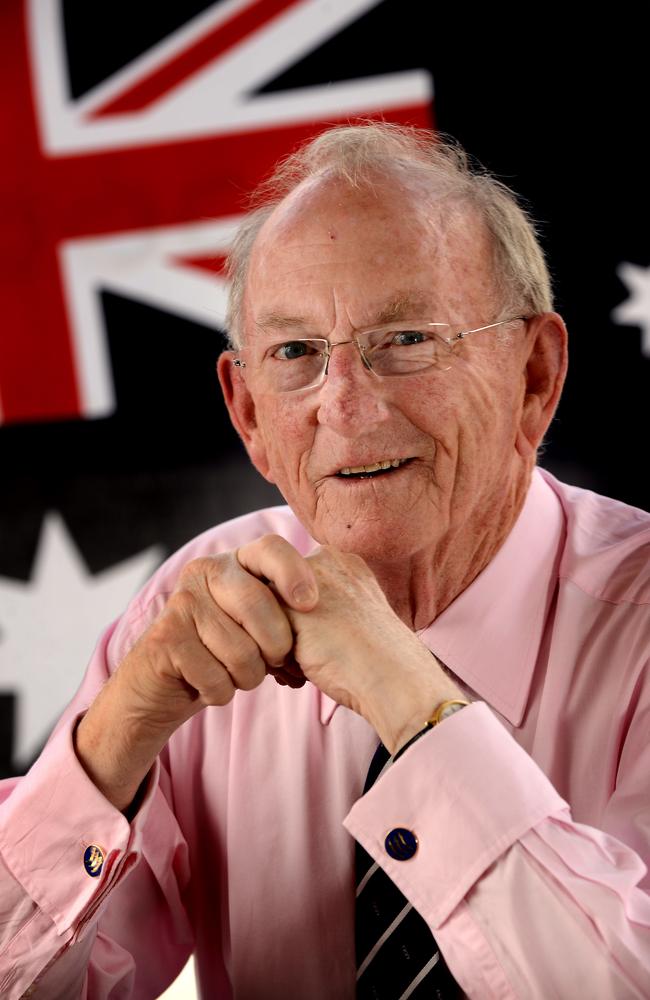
[136, 187]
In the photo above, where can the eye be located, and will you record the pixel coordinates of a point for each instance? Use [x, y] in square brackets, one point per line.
[293, 350]
[406, 338]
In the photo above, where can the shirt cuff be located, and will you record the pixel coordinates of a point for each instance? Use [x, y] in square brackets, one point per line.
[467, 791]
[53, 815]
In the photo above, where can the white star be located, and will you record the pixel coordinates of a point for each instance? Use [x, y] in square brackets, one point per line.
[635, 310]
[49, 627]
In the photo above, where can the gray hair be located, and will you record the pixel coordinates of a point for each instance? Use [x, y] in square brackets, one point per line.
[358, 154]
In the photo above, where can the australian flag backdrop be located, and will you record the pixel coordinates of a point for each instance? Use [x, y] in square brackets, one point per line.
[132, 134]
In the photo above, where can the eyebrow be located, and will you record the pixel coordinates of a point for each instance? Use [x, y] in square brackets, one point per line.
[276, 321]
[407, 306]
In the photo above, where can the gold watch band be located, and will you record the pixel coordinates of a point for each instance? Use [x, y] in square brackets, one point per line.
[442, 712]
[447, 708]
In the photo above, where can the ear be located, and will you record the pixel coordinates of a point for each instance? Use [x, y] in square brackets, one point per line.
[241, 408]
[544, 374]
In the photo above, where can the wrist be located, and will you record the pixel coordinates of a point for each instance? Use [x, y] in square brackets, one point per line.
[444, 711]
[113, 753]
[401, 707]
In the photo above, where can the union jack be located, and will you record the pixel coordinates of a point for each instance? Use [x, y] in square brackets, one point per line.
[136, 186]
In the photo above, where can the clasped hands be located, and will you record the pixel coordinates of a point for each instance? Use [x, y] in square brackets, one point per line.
[235, 617]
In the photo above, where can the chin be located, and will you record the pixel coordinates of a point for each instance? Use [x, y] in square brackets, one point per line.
[374, 541]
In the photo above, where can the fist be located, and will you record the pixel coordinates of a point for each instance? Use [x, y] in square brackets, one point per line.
[354, 647]
[222, 629]
[224, 626]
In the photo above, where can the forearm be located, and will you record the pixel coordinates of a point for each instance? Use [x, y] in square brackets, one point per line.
[115, 752]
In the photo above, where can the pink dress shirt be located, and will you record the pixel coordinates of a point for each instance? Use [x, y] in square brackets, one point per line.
[531, 807]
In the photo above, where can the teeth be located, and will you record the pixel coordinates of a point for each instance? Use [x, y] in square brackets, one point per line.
[351, 470]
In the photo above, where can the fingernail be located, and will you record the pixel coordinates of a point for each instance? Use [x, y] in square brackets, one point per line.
[304, 593]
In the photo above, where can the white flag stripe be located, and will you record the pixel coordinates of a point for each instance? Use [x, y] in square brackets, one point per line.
[217, 99]
[143, 265]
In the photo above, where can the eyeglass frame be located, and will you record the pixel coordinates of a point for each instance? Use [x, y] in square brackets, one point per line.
[461, 335]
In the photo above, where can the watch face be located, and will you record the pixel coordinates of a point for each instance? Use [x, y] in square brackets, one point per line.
[450, 709]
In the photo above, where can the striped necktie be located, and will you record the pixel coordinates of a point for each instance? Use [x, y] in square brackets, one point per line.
[397, 955]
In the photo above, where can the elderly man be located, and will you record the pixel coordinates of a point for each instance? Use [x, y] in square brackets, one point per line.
[395, 366]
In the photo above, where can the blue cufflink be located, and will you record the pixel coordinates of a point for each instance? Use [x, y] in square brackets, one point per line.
[93, 860]
[401, 844]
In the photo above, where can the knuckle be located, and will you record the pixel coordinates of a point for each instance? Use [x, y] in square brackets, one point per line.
[258, 607]
[182, 604]
[204, 568]
[242, 653]
[191, 572]
[173, 620]
[273, 544]
[251, 678]
[219, 691]
[325, 558]
[254, 599]
[215, 568]
[247, 673]
[278, 646]
[359, 564]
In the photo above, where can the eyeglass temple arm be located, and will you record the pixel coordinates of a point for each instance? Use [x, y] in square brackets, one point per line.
[489, 326]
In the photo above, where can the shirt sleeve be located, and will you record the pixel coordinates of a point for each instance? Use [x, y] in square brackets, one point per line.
[59, 937]
[522, 901]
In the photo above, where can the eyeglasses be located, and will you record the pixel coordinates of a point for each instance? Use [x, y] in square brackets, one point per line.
[394, 351]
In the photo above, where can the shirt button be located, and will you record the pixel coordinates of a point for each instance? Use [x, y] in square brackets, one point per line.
[401, 844]
[93, 860]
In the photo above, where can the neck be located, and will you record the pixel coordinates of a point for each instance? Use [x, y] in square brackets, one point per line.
[421, 587]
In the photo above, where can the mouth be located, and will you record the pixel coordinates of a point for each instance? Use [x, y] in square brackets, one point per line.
[385, 467]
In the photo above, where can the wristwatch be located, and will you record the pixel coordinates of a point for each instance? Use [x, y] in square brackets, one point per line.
[443, 711]
[446, 709]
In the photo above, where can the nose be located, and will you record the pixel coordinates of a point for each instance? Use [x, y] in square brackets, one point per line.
[351, 398]
[343, 343]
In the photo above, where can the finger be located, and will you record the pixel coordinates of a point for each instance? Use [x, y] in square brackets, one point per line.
[230, 645]
[209, 678]
[274, 558]
[287, 679]
[223, 593]
[213, 634]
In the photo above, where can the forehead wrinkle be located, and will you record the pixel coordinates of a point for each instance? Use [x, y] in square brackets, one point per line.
[309, 265]
[403, 305]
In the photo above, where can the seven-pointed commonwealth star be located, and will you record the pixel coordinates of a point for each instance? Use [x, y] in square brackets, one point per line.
[49, 626]
[635, 310]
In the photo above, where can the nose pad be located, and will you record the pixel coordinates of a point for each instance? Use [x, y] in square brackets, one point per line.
[342, 343]
[365, 360]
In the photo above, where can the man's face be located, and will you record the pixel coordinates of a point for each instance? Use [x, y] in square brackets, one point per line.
[332, 260]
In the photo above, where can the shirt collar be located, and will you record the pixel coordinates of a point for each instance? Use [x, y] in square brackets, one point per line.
[490, 635]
